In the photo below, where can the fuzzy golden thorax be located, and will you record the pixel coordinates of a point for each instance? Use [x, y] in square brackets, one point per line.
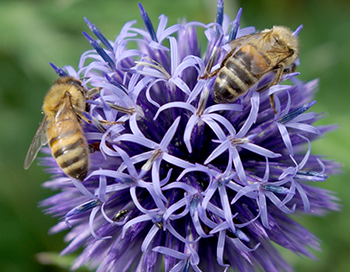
[60, 89]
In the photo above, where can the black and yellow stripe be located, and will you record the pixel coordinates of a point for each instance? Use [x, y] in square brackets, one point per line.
[236, 77]
[69, 147]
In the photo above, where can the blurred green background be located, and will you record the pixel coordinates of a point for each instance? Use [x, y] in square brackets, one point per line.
[34, 33]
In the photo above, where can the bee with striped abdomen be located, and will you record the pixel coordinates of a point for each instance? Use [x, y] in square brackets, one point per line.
[252, 57]
[61, 128]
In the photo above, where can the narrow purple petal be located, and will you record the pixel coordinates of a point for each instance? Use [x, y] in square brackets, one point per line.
[235, 26]
[221, 107]
[80, 186]
[91, 224]
[148, 23]
[188, 131]
[214, 127]
[175, 105]
[176, 161]
[260, 150]
[167, 32]
[296, 32]
[137, 139]
[127, 161]
[244, 192]
[169, 134]
[181, 84]
[219, 12]
[291, 115]
[149, 237]
[225, 123]
[169, 213]
[87, 206]
[174, 54]
[100, 51]
[285, 138]
[99, 34]
[252, 116]
[304, 127]
[58, 70]
[226, 207]
[220, 248]
[156, 181]
[218, 151]
[171, 252]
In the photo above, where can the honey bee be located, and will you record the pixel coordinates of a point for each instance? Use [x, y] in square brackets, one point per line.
[61, 128]
[252, 57]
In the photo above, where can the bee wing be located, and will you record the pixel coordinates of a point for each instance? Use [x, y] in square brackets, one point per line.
[238, 43]
[38, 141]
[257, 41]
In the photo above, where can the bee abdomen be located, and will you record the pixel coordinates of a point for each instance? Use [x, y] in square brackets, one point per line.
[70, 150]
[232, 81]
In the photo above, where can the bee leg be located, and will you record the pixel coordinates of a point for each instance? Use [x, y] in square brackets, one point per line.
[274, 82]
[211, 61]
[121, 109]
[272, 103]
[90, 93]
[108, 123]
[98, 123]
[207, 75]
[210, 65]
[94, 147]
[291, 69]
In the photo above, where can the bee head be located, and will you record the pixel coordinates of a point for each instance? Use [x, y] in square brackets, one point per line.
[286, 43]
[70, 81]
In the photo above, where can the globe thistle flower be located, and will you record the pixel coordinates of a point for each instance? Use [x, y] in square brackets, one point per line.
[185, 182]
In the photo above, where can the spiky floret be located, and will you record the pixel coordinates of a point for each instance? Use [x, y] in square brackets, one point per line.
[187, 182]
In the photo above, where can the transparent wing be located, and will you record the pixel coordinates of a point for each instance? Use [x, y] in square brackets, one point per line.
[236, 44]
[256, 46]
[38, 141]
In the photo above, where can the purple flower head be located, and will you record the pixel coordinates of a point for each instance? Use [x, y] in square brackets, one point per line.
[187, 184]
